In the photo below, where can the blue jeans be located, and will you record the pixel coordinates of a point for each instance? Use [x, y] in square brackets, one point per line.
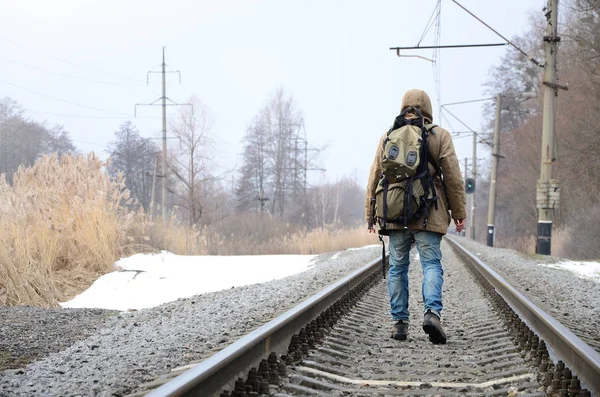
[428, 246]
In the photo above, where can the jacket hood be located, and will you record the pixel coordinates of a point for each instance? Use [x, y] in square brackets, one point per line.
[418, 99]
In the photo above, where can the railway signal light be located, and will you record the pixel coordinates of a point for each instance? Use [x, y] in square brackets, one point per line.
[470, 185]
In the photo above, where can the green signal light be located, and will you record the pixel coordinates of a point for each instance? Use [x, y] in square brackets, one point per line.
[470, 185]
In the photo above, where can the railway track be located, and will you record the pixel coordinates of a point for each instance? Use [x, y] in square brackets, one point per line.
[338, 343]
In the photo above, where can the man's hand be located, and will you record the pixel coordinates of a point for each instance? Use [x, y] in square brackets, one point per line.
[460, 224]
[371, 228]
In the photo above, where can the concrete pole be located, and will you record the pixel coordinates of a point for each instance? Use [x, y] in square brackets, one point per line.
[548, 187]
[496, 150]
[473, 201]
[464, 233]
[164, 142]
[152, 201]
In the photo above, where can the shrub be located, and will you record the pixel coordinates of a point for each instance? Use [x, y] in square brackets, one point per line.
[62, 223]
[581, 237]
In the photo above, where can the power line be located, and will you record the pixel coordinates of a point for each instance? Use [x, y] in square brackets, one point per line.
[437, 64]
[466, 126]
[430, 23]
[88, 142]
[459, 120]
[62, 100]
[443, 116]
[535, 61]
[69, 76]
[70, 62]
[83, 117]
[123, 116]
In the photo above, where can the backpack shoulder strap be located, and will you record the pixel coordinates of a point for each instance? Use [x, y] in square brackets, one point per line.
[438, 171]
[430, 127]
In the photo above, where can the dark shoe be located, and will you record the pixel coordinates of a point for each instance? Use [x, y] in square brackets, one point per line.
[433, 327]
[400, 330]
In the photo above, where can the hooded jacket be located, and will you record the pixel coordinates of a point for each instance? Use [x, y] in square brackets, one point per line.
[441, 151]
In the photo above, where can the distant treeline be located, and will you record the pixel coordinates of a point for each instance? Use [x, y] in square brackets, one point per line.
[272, 179]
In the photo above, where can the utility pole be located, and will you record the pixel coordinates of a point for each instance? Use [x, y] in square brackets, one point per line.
[163, 164]
[466, 174]
[263, 200]
[305, 164]
[153, 186]
[495, 155]
[473, 201]
[548, 189]
[164, 105]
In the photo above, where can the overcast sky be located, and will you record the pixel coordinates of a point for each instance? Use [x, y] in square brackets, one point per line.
[332, 56]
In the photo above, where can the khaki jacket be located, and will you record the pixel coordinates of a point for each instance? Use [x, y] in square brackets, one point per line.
[441, 151]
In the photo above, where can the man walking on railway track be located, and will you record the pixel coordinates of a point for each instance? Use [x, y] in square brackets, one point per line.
[415, 188]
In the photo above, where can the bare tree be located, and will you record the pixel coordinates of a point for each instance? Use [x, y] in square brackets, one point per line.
[133, 156]
[22, 141]
[189, 163]
[275, 159]
[337, 204]
[251, 190]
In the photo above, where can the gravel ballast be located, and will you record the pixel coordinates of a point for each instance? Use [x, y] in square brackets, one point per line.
[573, 300]
[127, 349]
[360, 347]
[101, 353]
[29, 333]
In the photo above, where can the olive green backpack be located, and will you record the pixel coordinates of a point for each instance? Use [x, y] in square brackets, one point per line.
[406, 189]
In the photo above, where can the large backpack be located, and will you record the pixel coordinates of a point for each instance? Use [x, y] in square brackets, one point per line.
[406, 188]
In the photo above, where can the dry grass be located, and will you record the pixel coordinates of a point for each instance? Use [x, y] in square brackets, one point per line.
[561, 243]
[521, 243]
[62, 223]
[255, 234]
[325, 240]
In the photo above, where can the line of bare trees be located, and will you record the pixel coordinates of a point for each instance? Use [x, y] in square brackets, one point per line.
[276, 161]
[22, 140]
[273, 174]
[271, 180]
[577, 140]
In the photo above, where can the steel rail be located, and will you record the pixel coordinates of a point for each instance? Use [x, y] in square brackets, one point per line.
[580, 357]
[218, 372]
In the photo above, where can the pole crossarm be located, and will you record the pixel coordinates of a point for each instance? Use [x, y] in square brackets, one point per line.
[470, 101]
[157, 71]
[432, 47]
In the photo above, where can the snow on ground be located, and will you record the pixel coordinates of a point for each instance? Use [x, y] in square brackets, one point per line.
[148, 280]
[589, 270]
[365, 247]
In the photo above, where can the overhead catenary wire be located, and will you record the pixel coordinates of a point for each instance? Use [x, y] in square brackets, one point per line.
[443, 116]
[459, 120]
[437, 65]
[430, 22]
[533, 60]
[466, 126]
